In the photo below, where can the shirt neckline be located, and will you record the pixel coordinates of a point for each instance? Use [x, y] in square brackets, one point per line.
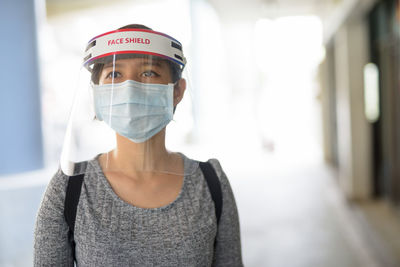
[189, 167]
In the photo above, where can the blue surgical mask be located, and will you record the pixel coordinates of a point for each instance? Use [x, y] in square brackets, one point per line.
[135, 110]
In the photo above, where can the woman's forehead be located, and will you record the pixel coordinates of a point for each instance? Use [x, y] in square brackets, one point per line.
[137, 62]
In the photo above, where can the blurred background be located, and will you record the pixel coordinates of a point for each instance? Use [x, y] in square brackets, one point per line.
[299, 100]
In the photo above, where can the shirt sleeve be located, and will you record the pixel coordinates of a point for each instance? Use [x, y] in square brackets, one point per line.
[51, 246]
[228, 250]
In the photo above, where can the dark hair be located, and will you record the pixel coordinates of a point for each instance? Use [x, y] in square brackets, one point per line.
[176, 71]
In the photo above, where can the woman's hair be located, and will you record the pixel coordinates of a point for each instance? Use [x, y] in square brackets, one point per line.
[176, 71]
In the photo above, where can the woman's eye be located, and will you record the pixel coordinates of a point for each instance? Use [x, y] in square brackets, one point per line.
[150, 73]
[113, 75]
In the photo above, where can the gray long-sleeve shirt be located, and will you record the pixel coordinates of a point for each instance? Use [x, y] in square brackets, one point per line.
[111, 232]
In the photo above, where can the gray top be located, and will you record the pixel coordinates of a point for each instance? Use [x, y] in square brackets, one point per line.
[111, 232]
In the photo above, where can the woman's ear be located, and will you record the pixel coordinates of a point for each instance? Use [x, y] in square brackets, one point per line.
[179, 91]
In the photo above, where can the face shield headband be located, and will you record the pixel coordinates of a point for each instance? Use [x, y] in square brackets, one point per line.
[133, 41]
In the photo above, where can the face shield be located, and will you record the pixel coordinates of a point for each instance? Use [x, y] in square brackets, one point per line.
[127, 92]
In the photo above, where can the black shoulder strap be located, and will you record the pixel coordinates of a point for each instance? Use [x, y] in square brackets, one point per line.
[214, 185]
[71, 203]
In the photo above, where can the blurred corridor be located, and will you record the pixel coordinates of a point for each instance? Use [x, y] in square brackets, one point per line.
[299, 100]
[297, 217]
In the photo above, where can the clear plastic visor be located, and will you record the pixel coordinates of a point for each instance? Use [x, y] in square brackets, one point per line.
[119, 117]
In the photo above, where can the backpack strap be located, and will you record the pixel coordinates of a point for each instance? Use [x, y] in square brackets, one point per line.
[214, 186]
[71, 203]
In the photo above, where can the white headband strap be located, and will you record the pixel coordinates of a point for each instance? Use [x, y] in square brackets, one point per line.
[134, 41]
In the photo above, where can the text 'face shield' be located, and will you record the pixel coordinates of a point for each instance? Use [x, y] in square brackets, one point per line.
[123, 104]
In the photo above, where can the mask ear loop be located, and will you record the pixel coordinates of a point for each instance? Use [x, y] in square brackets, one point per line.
[175, 84]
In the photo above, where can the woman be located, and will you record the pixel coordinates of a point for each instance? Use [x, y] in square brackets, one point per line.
[139, 204]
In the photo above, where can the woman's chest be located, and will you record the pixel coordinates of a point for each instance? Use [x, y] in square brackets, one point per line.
[180, 236]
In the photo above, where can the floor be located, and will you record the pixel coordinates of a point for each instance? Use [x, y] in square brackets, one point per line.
[294, 215]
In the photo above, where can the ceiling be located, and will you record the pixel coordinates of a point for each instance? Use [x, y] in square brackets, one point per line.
[227, 9]
[331, 12]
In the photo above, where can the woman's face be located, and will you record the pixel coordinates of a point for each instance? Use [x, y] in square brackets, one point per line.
[145, 70]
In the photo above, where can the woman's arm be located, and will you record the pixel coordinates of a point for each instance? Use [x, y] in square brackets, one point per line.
[51, 246]
[228, 250]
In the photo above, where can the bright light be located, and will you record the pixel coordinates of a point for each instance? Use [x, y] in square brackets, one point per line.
[371, 92]
[288, 51]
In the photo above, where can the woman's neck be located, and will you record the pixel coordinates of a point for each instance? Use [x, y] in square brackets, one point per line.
[141, 159]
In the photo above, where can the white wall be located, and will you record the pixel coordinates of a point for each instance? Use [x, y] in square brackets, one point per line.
[354, 132]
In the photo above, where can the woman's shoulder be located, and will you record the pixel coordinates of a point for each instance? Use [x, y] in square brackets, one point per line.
[223, 179]
[58, 182]
[54, 195]
[192, 166]
[217, 166]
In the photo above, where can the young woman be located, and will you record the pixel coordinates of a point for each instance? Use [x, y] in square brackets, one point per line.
[138, 204]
